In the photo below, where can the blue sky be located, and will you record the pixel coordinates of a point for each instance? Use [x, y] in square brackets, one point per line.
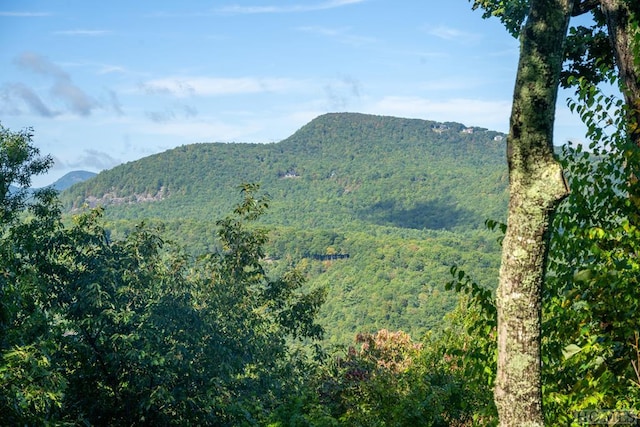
[103, 83]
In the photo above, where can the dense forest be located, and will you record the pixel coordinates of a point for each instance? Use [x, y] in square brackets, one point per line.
[130, 311]
[348, 275]
[405, 198]
[340, 168]
[113, 326]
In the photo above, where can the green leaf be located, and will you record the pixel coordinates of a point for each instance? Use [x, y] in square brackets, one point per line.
[570, 350]
[583, 275]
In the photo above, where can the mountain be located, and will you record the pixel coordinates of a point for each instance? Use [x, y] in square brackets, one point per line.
[62, 183]
[340, 167]
[72, 178]
[405, 199]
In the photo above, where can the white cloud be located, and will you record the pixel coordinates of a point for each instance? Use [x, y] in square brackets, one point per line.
[212, 86]
[340, 34]
[201, 131]
[452, 34]
[108, 69]
[472, 112]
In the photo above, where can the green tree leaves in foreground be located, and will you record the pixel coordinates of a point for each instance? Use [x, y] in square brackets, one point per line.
[518, 394]
[133, 332]
[592, 295]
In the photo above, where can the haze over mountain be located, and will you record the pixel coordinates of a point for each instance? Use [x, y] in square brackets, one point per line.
[71, 178]
[406, 199]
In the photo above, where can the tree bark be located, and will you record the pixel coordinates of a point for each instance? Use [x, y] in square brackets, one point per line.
[622, 24]
[536, 186]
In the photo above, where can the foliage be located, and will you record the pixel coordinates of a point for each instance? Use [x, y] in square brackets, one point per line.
[133, 331]
[511, 13]
[395, 194]
[593, 246]
[150, 338]
[590, 330]
[465, 347]
[587, 51]
[339, 170]
[30, 389]
[19, 161]
[592, 297]
[386, 380]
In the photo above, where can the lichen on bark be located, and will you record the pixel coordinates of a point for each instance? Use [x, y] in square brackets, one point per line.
[536, 187]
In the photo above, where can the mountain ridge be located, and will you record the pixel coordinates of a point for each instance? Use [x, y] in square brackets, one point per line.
[341, 152]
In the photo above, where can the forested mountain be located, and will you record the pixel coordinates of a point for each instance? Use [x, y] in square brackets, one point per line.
[71, 178]
[406, 199]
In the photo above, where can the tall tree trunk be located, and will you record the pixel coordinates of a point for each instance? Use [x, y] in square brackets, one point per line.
[536, 186]
[622, 18]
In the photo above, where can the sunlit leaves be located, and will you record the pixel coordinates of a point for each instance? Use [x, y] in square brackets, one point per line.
[592, 293]
[31, 390]
[160, 335]
[512, 13]
[19, 161]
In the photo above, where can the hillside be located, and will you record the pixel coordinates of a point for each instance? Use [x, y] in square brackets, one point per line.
[71, 178]
[380, 170]
[405, 198]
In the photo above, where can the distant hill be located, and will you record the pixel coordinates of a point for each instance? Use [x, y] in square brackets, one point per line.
[405, 198]
[64, 182]
[72, 178]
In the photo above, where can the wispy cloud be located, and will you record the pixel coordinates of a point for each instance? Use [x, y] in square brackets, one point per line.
[94, 159]
[342, 92]
[89, 159]
[40, 65]
[88, 33]
[331, 4]
[12, 91]
[210, 86]
[472, 112]
[63, 88]
[114, 102]
[341, 35]
[160, 116]
[24, 14]
[209, 130]
[452, 34]
[108, 69]
[171, 113]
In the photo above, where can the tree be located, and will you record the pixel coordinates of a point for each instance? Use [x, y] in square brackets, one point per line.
[385, 379]
[621, 18]
[536, 186]
[132, 331]
[591, 295]
[30, 388]
[148, 336]
[610, 42]
[591, 60]
[19, 161]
